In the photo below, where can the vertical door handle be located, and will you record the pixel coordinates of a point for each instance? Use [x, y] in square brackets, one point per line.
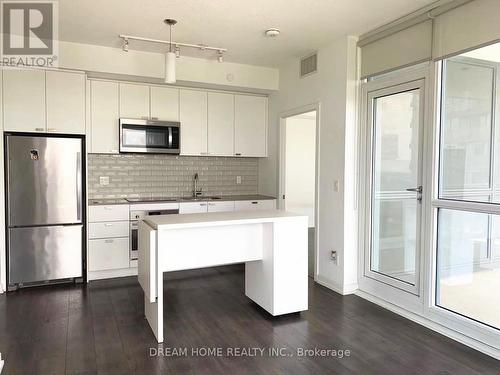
[417, 190]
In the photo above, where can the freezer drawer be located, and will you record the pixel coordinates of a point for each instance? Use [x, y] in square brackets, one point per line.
[45, 253]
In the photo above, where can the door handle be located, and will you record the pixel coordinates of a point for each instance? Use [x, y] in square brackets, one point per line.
[417, 190]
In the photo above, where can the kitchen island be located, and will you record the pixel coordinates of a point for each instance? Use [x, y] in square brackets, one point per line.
[271, 243]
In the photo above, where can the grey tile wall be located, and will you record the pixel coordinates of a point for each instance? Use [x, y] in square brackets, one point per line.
[169, 176]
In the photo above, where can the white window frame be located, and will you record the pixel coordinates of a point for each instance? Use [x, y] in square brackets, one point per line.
[421, 308]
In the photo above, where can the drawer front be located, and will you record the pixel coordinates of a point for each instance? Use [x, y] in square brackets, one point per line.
[193, 207]
[220, 206]
[254, 205]
[109, 229]
[108, 254]
[108, 213]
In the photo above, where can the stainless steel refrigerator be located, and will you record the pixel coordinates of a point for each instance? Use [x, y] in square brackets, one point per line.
[45, 220]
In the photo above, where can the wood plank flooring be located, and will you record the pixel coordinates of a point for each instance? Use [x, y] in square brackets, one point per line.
[100, 329]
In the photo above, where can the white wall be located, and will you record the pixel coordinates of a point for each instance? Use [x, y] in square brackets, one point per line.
[300, 165]
[148, 64]
[334, 87]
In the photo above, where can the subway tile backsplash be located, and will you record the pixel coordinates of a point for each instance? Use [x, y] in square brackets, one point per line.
[169, 176]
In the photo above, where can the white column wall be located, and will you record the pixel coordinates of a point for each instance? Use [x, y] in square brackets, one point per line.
[334, 87]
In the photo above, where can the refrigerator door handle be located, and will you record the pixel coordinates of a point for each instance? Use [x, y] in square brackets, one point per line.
[79, 186]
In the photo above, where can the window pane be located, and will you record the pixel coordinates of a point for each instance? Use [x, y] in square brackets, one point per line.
[468, 271]
[396, 164]
[466, 131]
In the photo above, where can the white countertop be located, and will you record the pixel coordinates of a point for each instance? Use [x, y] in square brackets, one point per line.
[218, 218]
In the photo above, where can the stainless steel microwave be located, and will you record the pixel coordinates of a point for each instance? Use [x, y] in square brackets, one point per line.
[149, 136]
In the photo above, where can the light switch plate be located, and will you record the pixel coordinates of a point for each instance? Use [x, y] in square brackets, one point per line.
[104, 180]
[238, 180]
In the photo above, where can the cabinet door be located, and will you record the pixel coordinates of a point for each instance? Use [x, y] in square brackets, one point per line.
[250, 126]
[255, 205]
[192, 207]
[104, 117]
[24, 100]
[193, 117]
[164, 103]
[220, 124]
[220, 206]
[108, 254]
[134, 101]
[65, 102]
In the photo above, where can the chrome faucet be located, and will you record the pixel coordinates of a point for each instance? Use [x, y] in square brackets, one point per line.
[196, 189]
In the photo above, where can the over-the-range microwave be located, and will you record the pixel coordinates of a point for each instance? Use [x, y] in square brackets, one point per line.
[149, 136]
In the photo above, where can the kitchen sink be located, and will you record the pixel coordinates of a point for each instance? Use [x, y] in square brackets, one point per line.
[202, 199]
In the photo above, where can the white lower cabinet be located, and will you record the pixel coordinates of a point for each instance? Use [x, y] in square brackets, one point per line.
[108, 254]
[192, 207]
[220, 206]
[267, 204]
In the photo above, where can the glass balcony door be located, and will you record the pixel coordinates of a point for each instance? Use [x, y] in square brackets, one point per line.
[395, 115]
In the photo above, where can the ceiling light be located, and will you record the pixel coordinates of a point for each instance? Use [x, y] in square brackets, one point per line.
[170, 56]
[272, 32]
[125, 45]
[220, 56]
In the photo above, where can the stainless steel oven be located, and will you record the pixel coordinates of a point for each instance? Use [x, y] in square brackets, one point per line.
[149, 136]
[135, 217]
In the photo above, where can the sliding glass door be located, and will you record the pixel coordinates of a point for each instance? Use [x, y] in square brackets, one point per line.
[395, 115]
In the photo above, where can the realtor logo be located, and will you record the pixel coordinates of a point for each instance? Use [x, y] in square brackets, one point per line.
[29, 33]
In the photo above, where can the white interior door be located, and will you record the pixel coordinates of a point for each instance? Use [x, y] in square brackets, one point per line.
[394, 197]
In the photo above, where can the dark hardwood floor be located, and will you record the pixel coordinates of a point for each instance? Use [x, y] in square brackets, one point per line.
[100, 329]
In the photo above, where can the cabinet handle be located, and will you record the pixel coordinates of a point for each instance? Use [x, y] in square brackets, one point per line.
[238, 154]
[203, 204]
[255, 202]
[108, 225]
[109, 241]
[154, 118]
[113, 151]
[39, 129]
[108, 208]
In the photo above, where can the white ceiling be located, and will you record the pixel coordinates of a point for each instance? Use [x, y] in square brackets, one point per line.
[237, 25]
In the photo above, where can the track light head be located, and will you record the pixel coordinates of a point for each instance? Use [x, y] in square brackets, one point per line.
[220, 56]
[125, 45]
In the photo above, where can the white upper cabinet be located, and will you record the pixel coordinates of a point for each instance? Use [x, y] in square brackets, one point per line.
[65, 102]
[250, 126]
[104, 114]
[134, 101]
[193, 117]
[24, 100]
[220, 124]
[164, 103]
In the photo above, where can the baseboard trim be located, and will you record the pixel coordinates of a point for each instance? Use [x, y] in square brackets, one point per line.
[452, 334]
[111, 274]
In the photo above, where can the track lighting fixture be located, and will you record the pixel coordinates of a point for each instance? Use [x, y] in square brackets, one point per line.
[174, 51]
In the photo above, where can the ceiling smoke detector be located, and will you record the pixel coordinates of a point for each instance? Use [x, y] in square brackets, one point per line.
[272, 32]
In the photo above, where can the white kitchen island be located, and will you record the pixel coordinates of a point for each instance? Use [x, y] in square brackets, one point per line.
[272, 243]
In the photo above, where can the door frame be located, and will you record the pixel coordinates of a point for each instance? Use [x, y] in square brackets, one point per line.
[281, 167]
[410, 298]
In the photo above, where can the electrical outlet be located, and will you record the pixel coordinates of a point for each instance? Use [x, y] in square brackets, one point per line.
[238, 180]
[104, 180]
[333, 255]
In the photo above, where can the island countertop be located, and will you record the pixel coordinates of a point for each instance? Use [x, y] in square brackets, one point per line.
[218, 218]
